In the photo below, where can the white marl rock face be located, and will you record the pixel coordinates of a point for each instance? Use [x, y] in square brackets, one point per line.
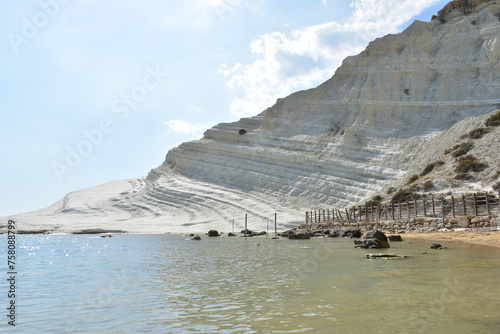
[384, 115]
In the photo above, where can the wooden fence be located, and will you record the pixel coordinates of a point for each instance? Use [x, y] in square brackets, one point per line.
[443, 207]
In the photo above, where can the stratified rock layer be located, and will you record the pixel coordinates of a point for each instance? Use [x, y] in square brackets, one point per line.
[384, 115]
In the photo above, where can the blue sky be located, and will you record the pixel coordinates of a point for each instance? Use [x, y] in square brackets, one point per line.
[95, 91]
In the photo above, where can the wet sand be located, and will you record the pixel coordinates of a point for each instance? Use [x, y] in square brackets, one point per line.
[477, 237]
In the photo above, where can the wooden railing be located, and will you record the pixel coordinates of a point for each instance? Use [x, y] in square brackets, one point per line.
[451, 206]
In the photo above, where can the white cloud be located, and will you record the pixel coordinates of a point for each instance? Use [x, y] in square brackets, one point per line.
[304, 58]
[184, 127]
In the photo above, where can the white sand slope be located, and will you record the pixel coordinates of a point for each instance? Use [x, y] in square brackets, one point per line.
[383, 116]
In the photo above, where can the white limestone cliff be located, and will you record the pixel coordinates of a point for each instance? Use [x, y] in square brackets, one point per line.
[383, 116]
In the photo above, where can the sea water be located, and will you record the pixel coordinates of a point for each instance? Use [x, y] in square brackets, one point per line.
[170, 284]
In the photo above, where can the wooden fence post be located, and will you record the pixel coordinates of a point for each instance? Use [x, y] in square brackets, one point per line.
[488, 205]
[475, 205]
[433, 207]
[453, 205]
[442, 208]
[464, 205]
[246, 229]
[392, 211]
[425, 209]
[340, 215]
[408, 210]
[400, 213]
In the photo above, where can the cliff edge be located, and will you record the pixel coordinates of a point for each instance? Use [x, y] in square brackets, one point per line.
[403, 103]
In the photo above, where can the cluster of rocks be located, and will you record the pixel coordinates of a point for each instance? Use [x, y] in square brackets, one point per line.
[215, 233]
[371, 239]
[250, 233]
[305, 233]
[419, 224]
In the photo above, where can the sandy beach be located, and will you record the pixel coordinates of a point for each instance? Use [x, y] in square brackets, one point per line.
[477, 237]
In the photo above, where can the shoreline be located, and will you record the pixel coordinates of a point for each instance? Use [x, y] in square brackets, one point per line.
[474, 236]
[480, 237]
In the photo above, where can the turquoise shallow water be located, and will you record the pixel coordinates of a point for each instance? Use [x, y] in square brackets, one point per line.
[167, 284]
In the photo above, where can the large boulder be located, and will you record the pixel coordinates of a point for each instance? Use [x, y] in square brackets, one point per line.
[373, 239]
[213, 233]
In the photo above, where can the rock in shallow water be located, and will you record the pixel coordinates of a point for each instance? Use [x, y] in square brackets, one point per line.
[376, 239]
[213, 233]
[395, 238]
[385, 256]
[437, 246]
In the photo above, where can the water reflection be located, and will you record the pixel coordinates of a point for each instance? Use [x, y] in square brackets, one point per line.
[166, 284]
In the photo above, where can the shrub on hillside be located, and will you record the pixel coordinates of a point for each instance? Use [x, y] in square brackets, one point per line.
[376, 200]
[462, 149]
[412, 179]
[493, 120]
[478, 133]
[430, 167]
[403, 195]
[463, 177]
[470, 163]
[427, 185]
